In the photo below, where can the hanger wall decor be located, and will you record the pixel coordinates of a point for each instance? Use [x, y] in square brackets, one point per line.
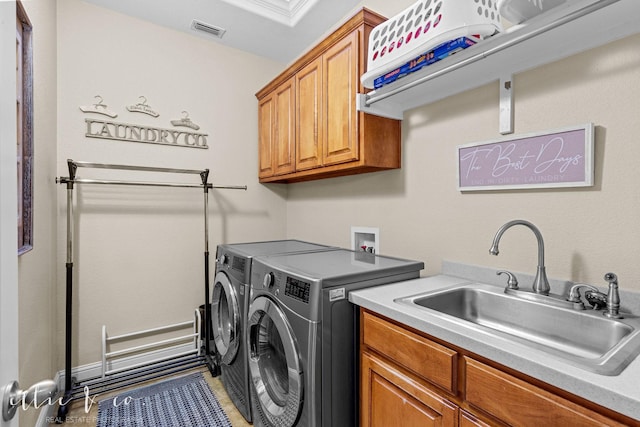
[149, 134]
[99, 108]
[185, 121]
[142, 107]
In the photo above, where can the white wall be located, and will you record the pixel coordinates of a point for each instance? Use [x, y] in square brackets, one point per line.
[138, 251]
[9, 341]
[421, 215]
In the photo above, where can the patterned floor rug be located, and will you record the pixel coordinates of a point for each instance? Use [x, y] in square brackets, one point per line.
[181, 402]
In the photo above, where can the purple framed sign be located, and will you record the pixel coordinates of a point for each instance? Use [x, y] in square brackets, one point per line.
[559, 158]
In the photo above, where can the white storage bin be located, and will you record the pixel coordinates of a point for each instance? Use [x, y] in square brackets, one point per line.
[518, 11]
[423, 26]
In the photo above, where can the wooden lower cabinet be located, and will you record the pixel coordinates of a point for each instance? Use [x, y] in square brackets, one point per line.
[403, 386]
[517, 402]
[391, 399]
[470, 420]
[425, 358]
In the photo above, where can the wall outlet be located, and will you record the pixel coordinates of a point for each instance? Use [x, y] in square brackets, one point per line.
[365, 239]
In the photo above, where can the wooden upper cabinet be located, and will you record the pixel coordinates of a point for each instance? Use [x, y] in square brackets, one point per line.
[309, 128]
[340, 69]
[276, 131]
[266, 135]
[330, 137]
[284, 140]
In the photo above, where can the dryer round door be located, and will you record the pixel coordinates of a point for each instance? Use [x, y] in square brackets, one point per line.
[274, 364]
[225, 318]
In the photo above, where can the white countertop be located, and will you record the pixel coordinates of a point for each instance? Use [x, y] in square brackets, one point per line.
[620, 393]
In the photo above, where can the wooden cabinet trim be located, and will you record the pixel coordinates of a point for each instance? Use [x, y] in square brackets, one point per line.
[468, 419]
[341, 169]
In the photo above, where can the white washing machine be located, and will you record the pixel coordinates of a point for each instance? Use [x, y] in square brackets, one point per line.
[302, 334]
[229, 304]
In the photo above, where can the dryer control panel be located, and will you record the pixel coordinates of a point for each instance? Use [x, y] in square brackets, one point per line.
[297, 289]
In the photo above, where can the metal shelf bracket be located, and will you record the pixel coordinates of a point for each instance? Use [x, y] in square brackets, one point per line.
[506, 104]
[385, 109]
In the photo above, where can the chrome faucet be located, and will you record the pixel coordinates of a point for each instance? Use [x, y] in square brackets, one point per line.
[596, 298]
[512, 281]
[540, 283]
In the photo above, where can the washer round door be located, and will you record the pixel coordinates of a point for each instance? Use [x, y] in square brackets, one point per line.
[274, 365]
[225, 318]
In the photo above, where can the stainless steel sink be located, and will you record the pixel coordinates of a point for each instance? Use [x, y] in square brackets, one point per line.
[585, 338]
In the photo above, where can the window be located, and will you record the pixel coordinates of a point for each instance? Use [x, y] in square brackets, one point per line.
[24, 106]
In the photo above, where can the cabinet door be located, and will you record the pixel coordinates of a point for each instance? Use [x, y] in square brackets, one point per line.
[519, 403]
[309, 132]
[431, 361]
[284, 125]
[266, 116]
[340, 69]
[391, 399]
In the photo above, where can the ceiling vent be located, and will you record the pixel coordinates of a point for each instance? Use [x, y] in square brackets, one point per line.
[208, 28]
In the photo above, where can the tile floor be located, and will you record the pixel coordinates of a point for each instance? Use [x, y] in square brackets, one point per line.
[78, 415]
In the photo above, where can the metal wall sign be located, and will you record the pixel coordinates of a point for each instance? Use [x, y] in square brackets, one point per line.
[552, 159]
[146, 134]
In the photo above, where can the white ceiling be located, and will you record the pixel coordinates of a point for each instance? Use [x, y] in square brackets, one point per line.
[277, 29]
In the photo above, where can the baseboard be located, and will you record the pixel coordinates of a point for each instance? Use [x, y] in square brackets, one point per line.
[93, 370]
[47, 412]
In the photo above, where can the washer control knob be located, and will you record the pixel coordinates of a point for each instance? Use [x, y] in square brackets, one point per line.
[224, 259]
[268, 280]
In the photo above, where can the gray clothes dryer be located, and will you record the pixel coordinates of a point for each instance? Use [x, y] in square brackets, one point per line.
[302, 334]
[229, 303]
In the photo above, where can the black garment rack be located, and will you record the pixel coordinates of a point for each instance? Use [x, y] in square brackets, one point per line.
[70, 181]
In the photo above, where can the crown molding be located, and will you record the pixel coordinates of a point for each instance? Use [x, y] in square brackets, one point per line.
[286, 12]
